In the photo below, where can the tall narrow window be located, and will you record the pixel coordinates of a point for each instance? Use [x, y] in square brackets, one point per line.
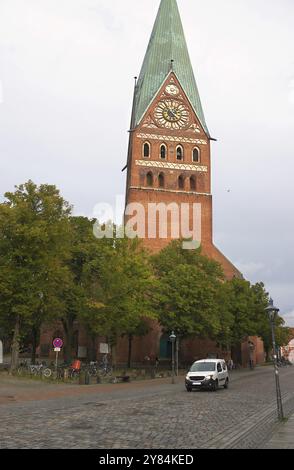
[149, 179]
[196, 155]
[193, 183]
[181, 182]
[146, 150]
[163, 151]
[180, 152]
[161, 180]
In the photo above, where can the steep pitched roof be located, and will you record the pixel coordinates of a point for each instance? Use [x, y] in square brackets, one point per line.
[167, 43]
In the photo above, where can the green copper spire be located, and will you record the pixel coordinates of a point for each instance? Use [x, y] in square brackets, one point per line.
[167, 43]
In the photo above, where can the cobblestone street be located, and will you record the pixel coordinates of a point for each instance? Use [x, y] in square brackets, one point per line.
[150, 414]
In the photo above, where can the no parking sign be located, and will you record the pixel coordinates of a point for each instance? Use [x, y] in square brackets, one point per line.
[57, 343]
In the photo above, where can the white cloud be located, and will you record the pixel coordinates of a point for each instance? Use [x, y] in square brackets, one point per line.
[249, 268]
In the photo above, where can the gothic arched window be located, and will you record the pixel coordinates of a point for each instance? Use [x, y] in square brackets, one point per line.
[196, 155]
[161, 180]
[146, 150]
[163, 151]
[149, 179]
[181, 182]
[180, 152]
[193, 183]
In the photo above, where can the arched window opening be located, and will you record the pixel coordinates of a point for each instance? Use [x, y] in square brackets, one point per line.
[146, 150]
[163, 151]
[193, 183]
[149, 179]
[196, 155]
[161, 180]
[181, 182]
[180, 153]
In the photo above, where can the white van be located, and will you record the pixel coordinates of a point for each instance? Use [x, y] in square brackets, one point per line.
[209, 374]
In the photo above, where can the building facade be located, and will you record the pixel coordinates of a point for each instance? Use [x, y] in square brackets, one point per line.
[169, 159]
[288, 351]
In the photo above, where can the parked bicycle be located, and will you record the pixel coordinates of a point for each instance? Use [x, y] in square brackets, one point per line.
[105, 368]
[34, 369]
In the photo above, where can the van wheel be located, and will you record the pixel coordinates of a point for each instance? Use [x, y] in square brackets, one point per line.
[226, 384]
[189, 389]
[215, 386]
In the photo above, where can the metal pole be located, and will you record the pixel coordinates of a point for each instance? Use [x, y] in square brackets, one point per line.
[56, 364]
[173, 362]
[277, 378]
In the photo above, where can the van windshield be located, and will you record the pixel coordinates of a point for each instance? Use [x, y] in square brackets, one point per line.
[203, 367]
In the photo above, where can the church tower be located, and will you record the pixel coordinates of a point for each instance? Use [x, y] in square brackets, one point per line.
[169, 157]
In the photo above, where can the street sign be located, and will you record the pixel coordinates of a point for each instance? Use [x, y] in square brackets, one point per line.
[104, 348]
[57, 349]
[57, 343]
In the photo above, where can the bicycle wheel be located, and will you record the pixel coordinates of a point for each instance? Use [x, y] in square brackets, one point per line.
[74, 374]
[93, 371]
[47, 372]
[34, 371]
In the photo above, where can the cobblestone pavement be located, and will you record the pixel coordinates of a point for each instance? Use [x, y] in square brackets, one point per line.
[283, 438]
[151, 414]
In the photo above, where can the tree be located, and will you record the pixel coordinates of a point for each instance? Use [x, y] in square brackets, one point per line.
[189, 286]
[240, 304]
[33, 240]
[120, 282]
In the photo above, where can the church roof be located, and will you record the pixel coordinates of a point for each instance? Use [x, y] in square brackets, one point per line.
[167, 43]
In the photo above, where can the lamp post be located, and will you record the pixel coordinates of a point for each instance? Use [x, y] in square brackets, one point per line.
[272, 312]
[172, 339]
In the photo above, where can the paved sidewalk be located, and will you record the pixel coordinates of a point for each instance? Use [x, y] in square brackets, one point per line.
[283, 437]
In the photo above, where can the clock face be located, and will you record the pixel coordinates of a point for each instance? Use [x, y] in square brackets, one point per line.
[171, 114]
[172, 90]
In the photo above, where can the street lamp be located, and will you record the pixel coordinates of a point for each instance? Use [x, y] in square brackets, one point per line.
[272, 312]
[172, 339]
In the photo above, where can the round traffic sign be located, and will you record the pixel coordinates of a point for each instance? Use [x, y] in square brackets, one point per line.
[57, 343]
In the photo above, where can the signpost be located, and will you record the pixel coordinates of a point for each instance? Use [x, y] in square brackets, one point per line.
[57, 343]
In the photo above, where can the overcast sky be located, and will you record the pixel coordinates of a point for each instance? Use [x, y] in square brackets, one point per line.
[66, 83]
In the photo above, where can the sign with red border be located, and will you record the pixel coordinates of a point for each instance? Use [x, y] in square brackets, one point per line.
[57, 343]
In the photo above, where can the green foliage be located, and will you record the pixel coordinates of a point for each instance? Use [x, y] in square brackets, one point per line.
[33, 234]
[120, 280]
[188, 291]
[53, 268]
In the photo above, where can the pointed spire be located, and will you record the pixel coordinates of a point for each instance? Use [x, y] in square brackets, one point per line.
[167, 50]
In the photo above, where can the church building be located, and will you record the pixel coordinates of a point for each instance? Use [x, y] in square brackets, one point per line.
[169, 157]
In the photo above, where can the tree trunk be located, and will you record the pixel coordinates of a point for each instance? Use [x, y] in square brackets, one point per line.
[92, 353]
[35, 343]
[68, 326]
[15, 346]
[130, 351]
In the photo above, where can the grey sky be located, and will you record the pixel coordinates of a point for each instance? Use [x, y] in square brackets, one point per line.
[66, 73]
